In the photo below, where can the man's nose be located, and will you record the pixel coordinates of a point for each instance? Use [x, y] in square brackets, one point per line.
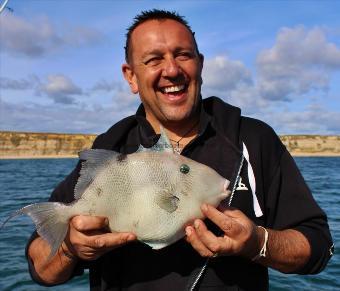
[171, 68]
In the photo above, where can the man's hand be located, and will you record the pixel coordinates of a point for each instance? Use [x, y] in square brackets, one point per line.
[287, 250]
[89, 237]
[240, 235]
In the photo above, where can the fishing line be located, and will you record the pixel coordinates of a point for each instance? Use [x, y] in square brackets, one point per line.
[3, 5]
[204, 267]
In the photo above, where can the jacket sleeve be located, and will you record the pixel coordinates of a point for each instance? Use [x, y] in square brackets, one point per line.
[290, 204]
[283, 193]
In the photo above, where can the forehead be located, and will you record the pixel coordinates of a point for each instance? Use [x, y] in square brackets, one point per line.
[158, 33]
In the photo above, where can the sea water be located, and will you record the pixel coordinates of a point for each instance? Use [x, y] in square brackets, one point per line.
[24, 182]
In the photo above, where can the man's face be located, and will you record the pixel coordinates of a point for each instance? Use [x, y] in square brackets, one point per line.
[165, 69]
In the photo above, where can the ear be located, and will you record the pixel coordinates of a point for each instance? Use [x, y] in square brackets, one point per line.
[130, 77]
[201, 57]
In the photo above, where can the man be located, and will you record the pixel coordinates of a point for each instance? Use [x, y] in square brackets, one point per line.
[273, 222]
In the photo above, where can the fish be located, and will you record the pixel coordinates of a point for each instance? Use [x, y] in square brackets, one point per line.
[154, 193]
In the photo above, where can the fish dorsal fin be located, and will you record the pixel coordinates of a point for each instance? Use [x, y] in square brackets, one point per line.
[94, 160]
[143, 149]
[163, 144]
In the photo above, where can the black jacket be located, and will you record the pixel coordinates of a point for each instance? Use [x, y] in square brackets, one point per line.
[282, 194]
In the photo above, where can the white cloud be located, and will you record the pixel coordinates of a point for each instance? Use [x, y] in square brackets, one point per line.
[60, 88]
[103, 85]
[232, 81]
[12, 84]
[292, 68]
[83, 118]
[221, 73]
[300, 61]
[122, 96]
[314, 119]
[125, 99]
[37, 36]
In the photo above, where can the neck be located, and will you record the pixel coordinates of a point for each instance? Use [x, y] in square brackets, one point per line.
[179, 133]
[183, 130]
[175, 128]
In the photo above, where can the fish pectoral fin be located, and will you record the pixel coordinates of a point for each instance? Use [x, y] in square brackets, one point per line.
[167, 201]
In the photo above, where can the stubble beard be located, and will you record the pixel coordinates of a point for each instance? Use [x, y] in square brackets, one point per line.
[177, 115]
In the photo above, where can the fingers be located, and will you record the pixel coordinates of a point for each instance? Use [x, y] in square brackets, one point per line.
[96, 246]
[238, 232]
[110, 240]
[224, 220]
[196, 243]
[85, 223]
[205, 242]
[89, 237]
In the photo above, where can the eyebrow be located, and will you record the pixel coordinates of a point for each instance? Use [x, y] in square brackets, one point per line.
[160, 52]
[152, 52]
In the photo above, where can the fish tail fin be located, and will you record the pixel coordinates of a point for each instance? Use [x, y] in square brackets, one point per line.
[51, 220]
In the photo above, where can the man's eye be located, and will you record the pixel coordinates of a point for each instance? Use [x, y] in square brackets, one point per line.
[184, 56]
[153, 61]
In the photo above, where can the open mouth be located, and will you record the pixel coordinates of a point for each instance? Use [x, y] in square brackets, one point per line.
[175, 91]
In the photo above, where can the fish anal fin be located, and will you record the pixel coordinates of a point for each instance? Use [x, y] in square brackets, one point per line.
[157, 245]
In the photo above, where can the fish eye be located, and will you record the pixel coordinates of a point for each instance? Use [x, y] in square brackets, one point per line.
[184, 169]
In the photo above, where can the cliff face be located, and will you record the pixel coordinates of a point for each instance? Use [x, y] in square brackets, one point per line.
[24, 144]
[312, 145]
[45, 145]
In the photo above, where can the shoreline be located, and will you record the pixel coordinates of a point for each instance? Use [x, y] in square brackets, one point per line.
[30, 145]
[32, 157]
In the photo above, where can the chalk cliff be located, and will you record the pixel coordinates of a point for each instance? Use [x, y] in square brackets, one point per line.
[30, 145]
[58, 145]
[312, 145]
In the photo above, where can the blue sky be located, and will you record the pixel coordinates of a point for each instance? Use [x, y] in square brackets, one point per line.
[60, 62]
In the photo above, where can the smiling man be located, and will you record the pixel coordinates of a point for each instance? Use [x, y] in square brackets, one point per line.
[164, 67]
[165, 70]
[271, 219]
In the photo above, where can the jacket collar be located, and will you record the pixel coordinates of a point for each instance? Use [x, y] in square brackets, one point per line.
[215, 113]
[147, 133]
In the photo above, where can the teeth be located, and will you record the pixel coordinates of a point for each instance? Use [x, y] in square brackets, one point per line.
[173, 89]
